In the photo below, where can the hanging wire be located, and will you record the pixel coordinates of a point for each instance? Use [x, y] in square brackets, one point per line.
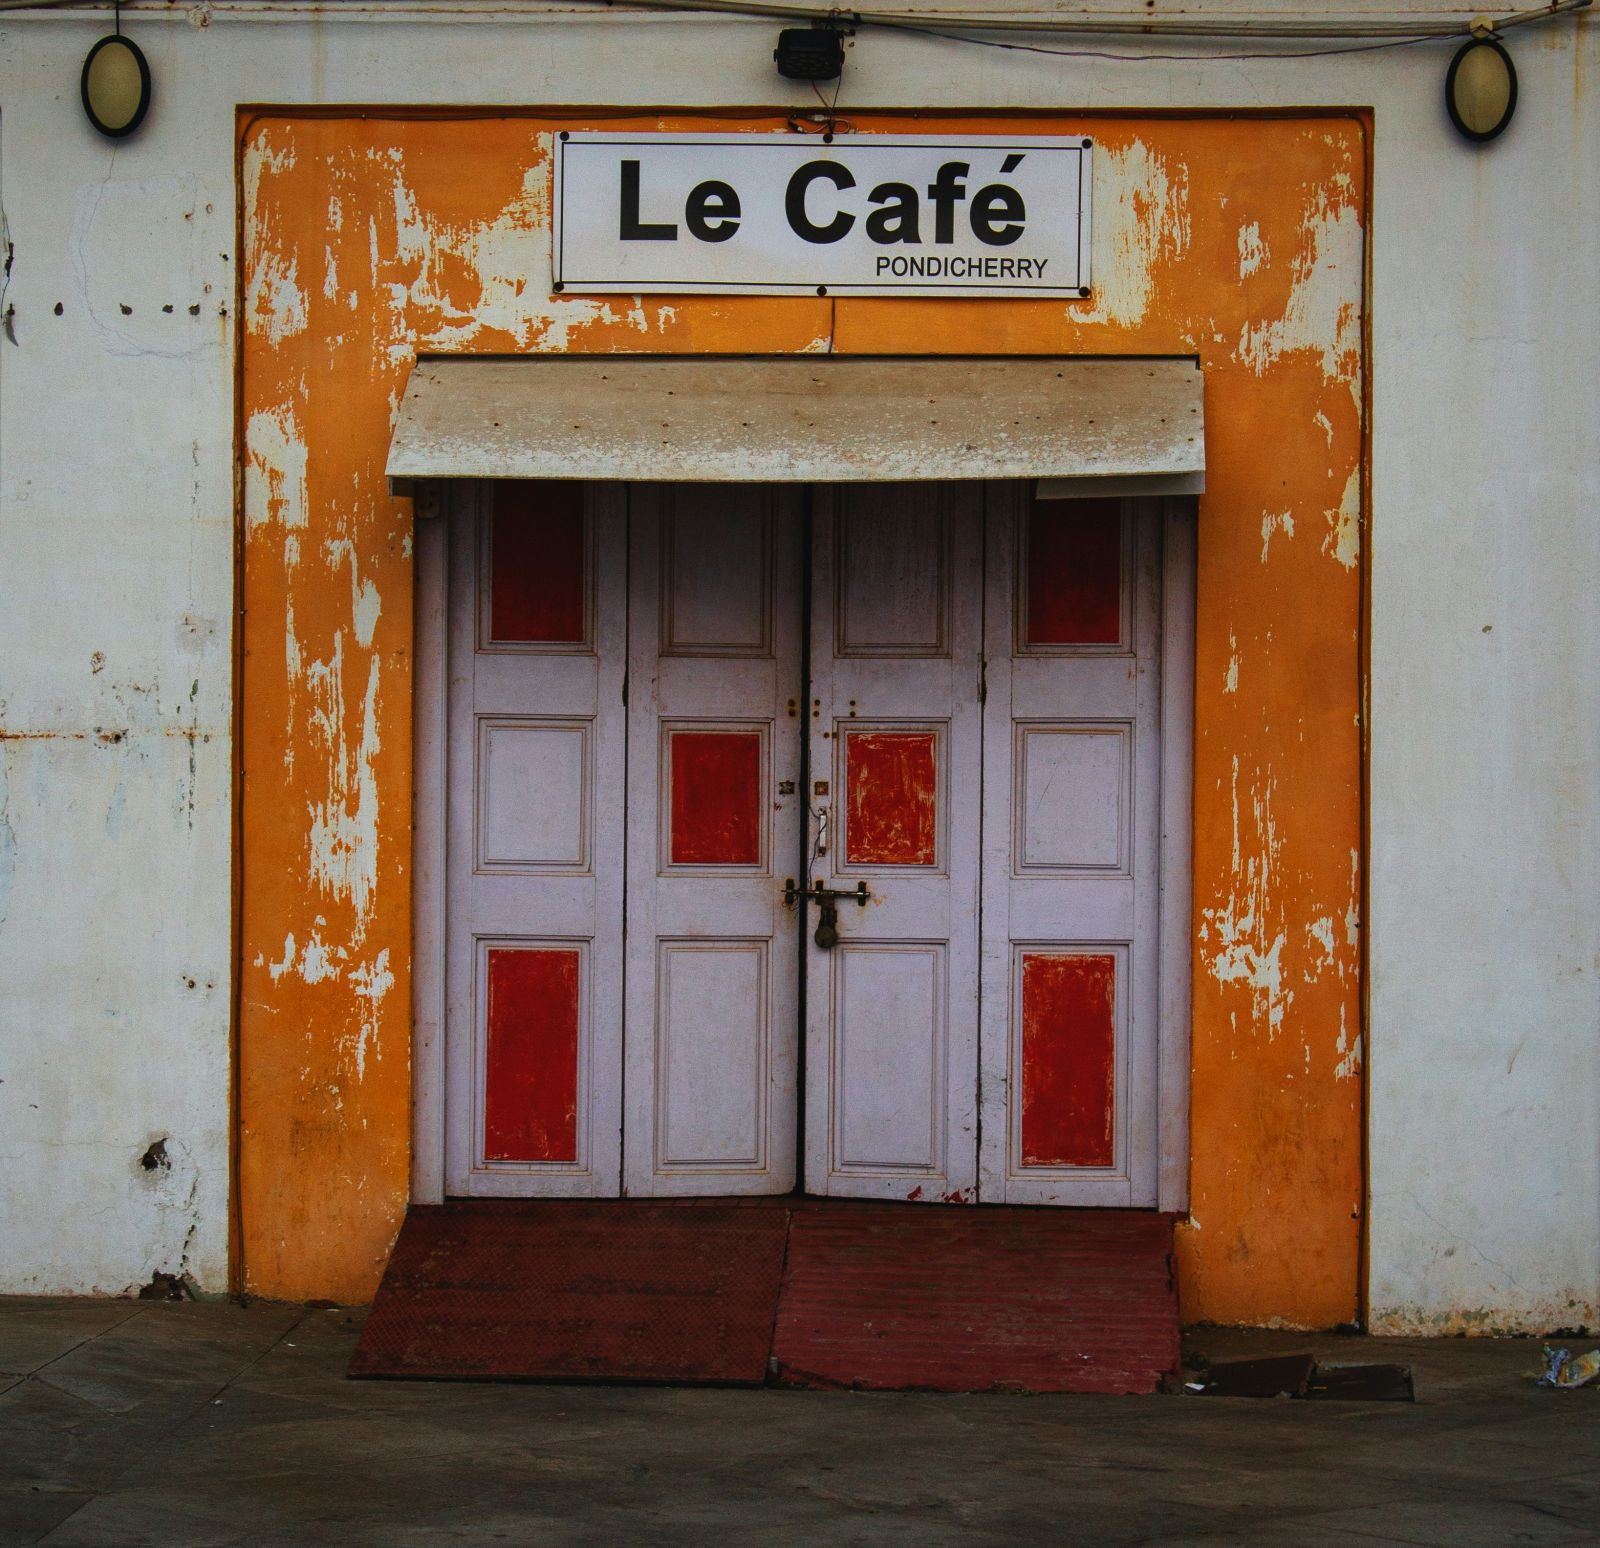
[1398, 32]
[1144, 56]
[1403, 32]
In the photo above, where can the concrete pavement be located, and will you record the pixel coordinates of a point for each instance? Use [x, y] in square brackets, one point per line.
[214, 1425]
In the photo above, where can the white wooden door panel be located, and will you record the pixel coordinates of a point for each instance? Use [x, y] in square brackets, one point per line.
[534, 836]
[894, 763]
[1071, 850]
[626, 714]
[889, 1016]
[713, 811]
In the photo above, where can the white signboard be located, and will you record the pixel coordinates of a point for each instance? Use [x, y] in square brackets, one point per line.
[790, 214]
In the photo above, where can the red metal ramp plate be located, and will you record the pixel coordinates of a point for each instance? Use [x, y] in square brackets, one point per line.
[953, 1299]
[564, 1291]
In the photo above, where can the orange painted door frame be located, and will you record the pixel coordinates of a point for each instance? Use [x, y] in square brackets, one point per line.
[1241, 239]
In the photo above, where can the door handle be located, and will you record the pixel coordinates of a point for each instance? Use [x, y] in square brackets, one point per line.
[828, 899]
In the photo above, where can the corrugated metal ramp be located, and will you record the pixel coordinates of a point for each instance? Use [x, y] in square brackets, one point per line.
[796, 1292]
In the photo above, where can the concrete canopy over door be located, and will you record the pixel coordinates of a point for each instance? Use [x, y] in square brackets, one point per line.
[787, 419]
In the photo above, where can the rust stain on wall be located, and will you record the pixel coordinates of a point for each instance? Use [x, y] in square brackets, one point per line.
[1240, 241]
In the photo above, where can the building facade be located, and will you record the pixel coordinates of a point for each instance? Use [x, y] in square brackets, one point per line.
[240, 667]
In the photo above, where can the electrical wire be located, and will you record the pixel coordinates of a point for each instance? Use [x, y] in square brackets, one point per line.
[1403, 32]
[1150, 57]
[1145, 28]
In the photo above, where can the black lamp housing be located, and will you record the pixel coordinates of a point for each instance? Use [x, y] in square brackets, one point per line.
[809, 54]
[1481, 120]
[106, 103]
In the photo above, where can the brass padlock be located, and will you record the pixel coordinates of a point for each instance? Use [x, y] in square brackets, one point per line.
[827, 936]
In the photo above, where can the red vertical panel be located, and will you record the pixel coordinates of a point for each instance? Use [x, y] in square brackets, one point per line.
[716, 797]
[1068, 1059]
[530, 1109]
[537, 584]
[1075, 572]
[891, 783]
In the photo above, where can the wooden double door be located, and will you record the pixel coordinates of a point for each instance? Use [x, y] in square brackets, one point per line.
[802, 838]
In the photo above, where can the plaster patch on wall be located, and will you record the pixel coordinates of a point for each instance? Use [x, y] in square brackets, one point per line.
[168, 1174]
[275, 469]
[1324, 314]
[1140, 220]
[129, 305]
[343, 839]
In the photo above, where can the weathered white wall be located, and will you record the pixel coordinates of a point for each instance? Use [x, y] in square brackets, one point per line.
[116, 562]
[1485, 884]
[116, 545]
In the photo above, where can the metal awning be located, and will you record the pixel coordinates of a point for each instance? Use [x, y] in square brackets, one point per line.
[1111, 426]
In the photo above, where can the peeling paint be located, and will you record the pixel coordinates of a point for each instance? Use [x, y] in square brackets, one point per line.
[365, 604]
[1252, 250]
[372, 981]
[343, 838]
[274, 303]
[1280, 521]
[275, 469]
[1323, 315]
[1343, 541]
[276, 970]
[1245, 948]
[1349, 1065]
[1321, 933]
[1141, 219]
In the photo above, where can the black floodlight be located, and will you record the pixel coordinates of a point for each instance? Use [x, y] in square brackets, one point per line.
[1480, 90]
[115, 86]
[809, 54]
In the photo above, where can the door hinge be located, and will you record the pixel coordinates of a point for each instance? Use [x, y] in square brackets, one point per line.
[624, 690]
[983, 680]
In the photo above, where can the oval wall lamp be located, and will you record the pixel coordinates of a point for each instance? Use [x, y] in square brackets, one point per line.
[1480, 90]
[116, 86]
